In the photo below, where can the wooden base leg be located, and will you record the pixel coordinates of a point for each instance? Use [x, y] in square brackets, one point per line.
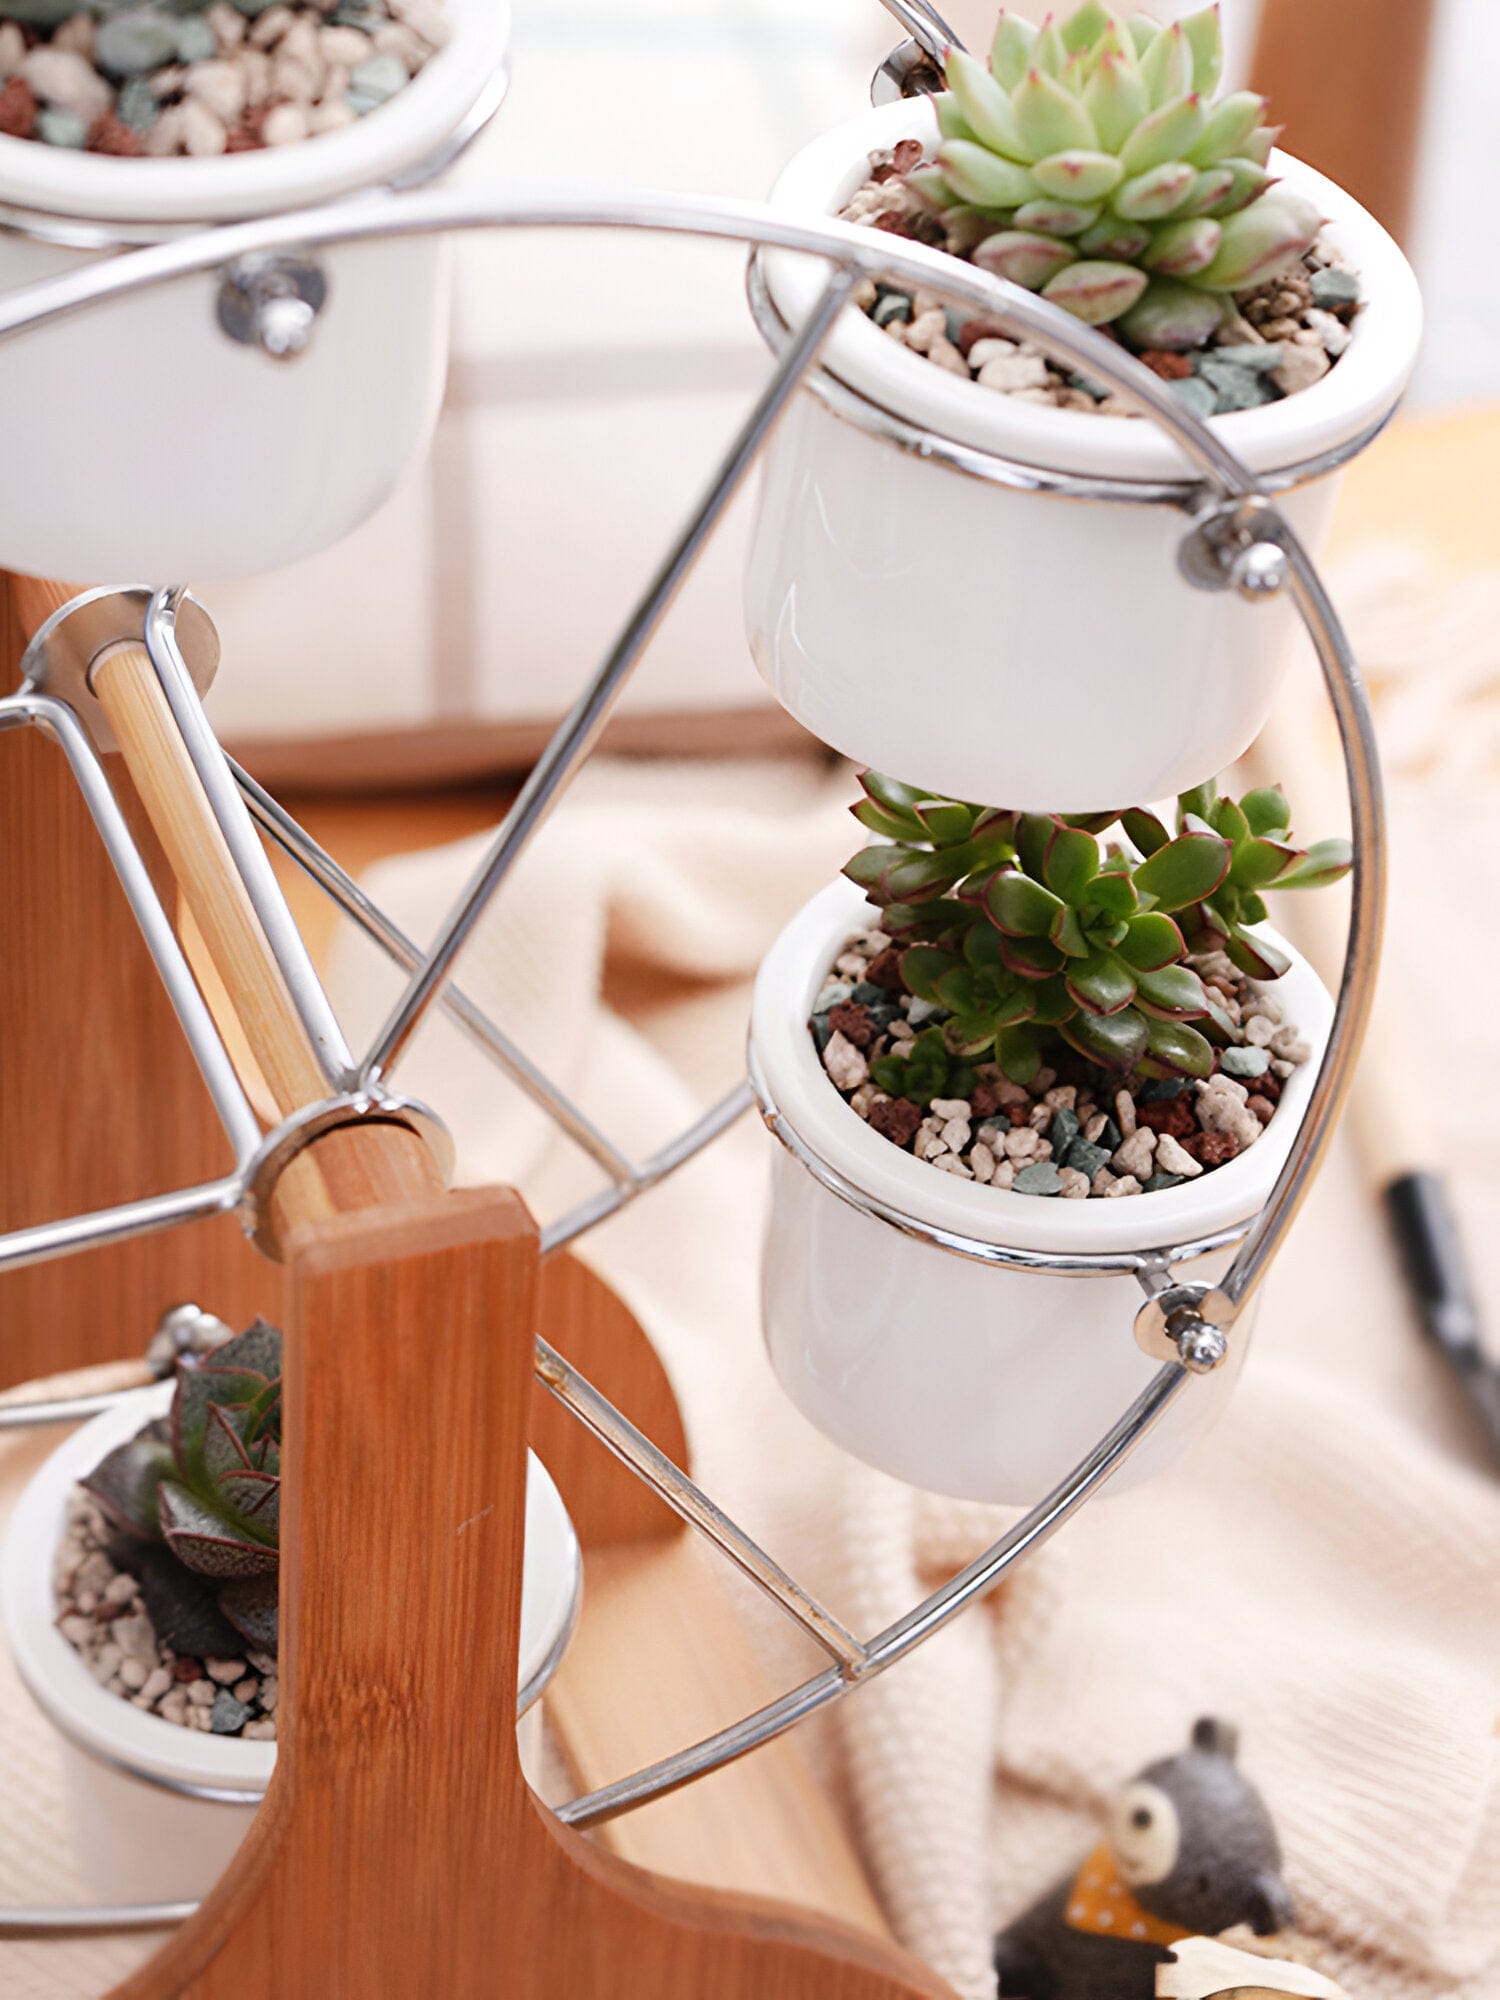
[401, 1851]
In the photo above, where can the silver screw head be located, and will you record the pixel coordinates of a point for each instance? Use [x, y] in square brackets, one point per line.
[1259, 570]
[1200, 1347]
[283, 326]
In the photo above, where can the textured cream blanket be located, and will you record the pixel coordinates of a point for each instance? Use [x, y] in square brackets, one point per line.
[1326, 1570]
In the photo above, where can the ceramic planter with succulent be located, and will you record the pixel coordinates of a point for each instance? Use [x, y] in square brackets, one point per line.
[139, 1589]
[1051, 1035]
[943, 509]
[156, 119]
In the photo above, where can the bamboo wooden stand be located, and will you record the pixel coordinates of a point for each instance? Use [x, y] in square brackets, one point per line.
[400, 1850]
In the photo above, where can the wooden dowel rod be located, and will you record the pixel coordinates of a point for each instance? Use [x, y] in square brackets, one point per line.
[133, 699]
[348, 1169]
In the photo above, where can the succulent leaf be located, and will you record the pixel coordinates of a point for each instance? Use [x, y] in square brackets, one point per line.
[1173, 314]
[982, 177]
[1204, 35]
[986, 107]
[1010, 51]
[1155, 194]
[1095, 290]
[1024, 256]
[1167, 66]
[1049, 118]
[1263, 240]
[1078, 176]
[1054, 219]
[1116, 98]
[1227, 127]
[124, 1482]
[1180, 249]
[1167, 134]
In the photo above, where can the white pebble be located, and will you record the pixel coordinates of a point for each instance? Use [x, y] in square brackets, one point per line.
[77, 34]
[1022, 1143]
[247, 1689]
[1171, 1159]
[156, 1683]
[944, 1108]
[269, 27]
[77, 1631]
[228, 23]
[982, 1160]
[843, 1061]
[120, 1589]
[134, 1637]
[400, 40]
[1300, 368]
[225, 1672]
[255, 68]
[345, 46]
[1135, 1155]
[1125, 1112]
[261, 1730]
[296, 81]
[12, 49]
[1063, 1097]
[1005, 1174]
[1013, 373]
[956, 1134]
[202, 133]
[218, 84]
[1094, 1128]
[950, 1163]
[1289, 1045]
[1263, 1000]
[175, 1705]
[1126, 1184]
[165, 136]
[106, 1661]
[1075, 1185]
[990, 350]
[1258, 1031]
[428, 19]
[201, 1694]
[64, 78]
[285, 125]
[133, 1674]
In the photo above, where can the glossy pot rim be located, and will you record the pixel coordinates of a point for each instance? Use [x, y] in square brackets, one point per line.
[385, 143]
[783, 1053]
[1346, 405]
[107, 1726]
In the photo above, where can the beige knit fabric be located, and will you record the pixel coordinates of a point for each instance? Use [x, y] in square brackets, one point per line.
[1326, 1570]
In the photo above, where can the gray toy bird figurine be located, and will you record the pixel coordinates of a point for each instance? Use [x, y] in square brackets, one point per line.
[1189, 1851]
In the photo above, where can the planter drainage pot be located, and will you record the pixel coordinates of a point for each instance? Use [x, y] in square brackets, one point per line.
[919, 605]
[156, 1811]
[964, 1376]
[157, 446]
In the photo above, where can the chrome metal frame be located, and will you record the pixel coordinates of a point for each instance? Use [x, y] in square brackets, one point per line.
[1232, 515]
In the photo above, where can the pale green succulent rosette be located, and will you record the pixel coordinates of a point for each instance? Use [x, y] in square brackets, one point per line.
[1093, 165]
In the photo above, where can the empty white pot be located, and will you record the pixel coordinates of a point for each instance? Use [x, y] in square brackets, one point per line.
[154, 447]
[156, 1811]
[964, 1377]
[934, 622]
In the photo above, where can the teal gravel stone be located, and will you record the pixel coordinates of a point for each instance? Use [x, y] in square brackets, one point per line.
[956, 322]
[1244, 1062]
[922, 1012]
[375, 82]
[55, 127]
[1089, 386]
[833, 996]
[1335, 288]
[1112, 1138]
[227, 1716]
[895, 305]
[1041, 1177]
[1161, 1090]
[136, 42]
[1199, 395]
[196, 40]
[136, 105]
[1234, 387]
[1159, 1181]
[1261, 355]
[1086, 1158]
[822, 1034]
[1063, 1130]
[38, 13]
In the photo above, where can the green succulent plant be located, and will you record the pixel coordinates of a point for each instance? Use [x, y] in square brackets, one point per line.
[1263, 855]
[930, 1070]
[205, 1482]
[1027, 931]
[1114, 183]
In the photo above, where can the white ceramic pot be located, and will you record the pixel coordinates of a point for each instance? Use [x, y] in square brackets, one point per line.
[964, 1377]
[939, 625]
[142, 1829]
[158, 449]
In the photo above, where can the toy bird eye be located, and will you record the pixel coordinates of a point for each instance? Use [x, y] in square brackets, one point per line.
[1141, 1816]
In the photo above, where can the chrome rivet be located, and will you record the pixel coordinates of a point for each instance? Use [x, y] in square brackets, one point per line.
[1259, 571]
